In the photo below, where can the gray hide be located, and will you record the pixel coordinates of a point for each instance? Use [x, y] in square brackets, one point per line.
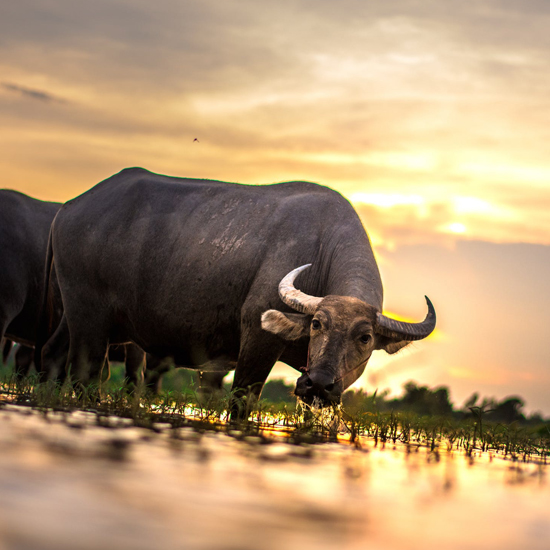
[186, 268]
[24, 227]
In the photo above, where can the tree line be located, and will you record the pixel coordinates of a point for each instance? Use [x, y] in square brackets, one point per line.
[421, 400]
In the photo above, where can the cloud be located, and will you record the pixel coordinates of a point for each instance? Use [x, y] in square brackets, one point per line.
[394, 220]
[32, 93]
[396, 98]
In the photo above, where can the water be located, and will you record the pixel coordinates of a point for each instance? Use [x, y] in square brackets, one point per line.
[67, 483]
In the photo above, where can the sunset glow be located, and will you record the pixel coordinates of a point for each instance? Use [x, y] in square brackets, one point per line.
[387, 201]
[432, 122]
[456, 227]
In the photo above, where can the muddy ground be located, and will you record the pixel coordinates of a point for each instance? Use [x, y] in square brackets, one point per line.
[67, 483]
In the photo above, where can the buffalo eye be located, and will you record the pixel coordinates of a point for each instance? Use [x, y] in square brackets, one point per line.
[365, 338]
[315, 324]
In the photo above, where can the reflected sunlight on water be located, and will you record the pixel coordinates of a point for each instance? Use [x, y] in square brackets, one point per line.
[67, 483]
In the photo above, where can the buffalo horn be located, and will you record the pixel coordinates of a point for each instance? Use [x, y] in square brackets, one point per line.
[293, 297]
[407, 331]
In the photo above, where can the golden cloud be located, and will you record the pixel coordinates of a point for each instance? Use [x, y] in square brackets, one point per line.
[393, 220]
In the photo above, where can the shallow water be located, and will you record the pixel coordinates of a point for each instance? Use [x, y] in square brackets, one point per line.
[67, 483]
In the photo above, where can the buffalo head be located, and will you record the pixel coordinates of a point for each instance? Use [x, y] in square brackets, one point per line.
[343, 332]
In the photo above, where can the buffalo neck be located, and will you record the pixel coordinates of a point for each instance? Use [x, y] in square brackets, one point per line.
[353, 270]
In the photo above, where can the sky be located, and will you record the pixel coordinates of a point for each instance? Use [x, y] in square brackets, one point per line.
[431, 117]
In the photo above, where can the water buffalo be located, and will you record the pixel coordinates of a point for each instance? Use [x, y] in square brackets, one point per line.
[6, 349]
[190, 268]
[24, 227]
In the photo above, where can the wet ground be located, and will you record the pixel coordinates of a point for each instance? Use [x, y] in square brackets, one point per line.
[67, 483]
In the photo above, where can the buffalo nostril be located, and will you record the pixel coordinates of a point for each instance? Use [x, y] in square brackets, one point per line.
[329, 388]
[309, 383]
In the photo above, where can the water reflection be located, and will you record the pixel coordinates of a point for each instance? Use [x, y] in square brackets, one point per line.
[68, 483]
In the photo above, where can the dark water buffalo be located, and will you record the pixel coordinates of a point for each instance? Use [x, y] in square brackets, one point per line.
[6, 349]
[24, 227]
[191, 269]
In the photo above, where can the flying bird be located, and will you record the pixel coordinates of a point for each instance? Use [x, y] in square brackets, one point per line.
[196, 140]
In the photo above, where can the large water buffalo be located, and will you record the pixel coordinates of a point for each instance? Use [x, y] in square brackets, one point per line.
[204, 271]
[24, 227]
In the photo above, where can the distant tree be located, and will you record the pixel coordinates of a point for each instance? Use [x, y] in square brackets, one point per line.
[508, 411]
[470, 402]
[278, 391]
[354, 399]
[441, 404]
[359, 400]
[425, 401]
[535, 419]
[415, 396]
[422, 400]
[488, 403]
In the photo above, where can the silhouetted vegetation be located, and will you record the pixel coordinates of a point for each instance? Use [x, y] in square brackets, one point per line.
[277, 391]
[421, 416]
[416, 399]
[424, 401]
[419, 400]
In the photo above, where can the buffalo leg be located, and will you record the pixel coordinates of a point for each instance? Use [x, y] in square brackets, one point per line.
[54, 354]
[7, 344]
[24, 357]
[87, 351]
[135, 364]
[155, 368]
[6, 350]
[211, 383]
[257, 356]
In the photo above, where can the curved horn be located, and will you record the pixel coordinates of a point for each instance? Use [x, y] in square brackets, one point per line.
[293, 297]
[407, 331]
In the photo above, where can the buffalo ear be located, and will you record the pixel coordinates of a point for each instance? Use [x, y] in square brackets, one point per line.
[390, 345]
[289, 326]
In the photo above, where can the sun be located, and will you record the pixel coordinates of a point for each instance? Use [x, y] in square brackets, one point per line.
[456, 227]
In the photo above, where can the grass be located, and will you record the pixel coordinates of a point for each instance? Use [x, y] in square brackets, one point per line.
[472, 435]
